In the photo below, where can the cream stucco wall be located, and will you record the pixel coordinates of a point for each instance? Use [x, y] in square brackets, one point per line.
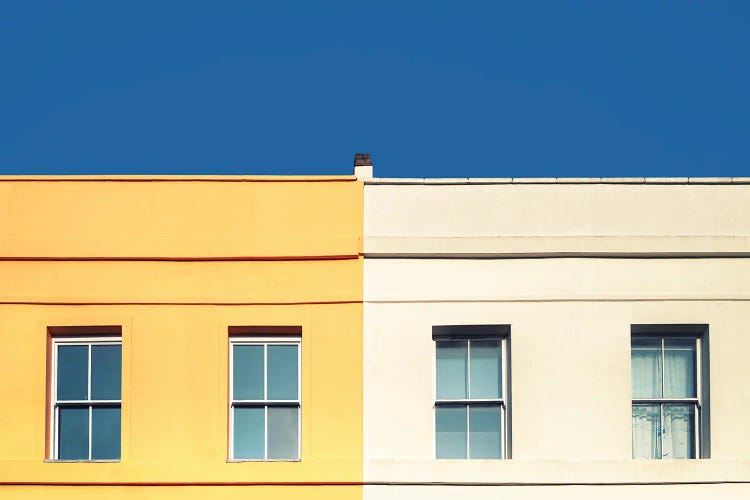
[634, 254]
[556, 218]
[683, 492]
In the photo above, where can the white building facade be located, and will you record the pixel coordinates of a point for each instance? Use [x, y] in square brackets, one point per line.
[561, 338]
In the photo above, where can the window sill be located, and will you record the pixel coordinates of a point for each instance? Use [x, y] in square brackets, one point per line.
[260, 460]
[55, 461]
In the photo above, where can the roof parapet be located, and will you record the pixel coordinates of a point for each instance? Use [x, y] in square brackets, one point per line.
[562, 180]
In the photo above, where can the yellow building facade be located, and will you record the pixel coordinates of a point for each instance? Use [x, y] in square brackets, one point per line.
[175, 265]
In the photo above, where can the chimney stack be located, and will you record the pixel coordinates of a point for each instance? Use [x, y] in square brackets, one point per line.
[362, 166]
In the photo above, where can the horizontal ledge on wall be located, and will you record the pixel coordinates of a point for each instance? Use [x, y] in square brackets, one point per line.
[743, 298]
[282, 258]
[172, 303]
[359, 483]
[530, 483]
[513, 246]
[139, 247]
[178, 483]
[560, 255]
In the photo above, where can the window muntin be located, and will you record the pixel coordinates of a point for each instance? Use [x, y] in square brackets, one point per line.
[264, 398]
[666, 396]
[86, 398]
[470, 404]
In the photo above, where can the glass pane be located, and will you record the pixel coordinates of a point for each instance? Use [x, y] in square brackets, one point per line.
[646, 431]
[283, 427]
[105, 434]
[106, 371]
[485, 367]
[282, 372]
[679, 431]
[484, 431]
[646, 368]
[451, 370]
[247, 365]
[450, 432]
[679, 368]
[73, 441]
[72, 372]
[249, 433]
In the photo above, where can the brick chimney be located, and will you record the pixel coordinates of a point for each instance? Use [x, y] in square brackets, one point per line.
[362, 166]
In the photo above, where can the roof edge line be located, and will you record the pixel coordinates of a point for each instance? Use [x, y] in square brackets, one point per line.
[177, 178]
[437, 181]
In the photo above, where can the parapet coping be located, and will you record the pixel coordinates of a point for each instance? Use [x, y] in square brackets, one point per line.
[378, 180]
[561, 180]
[178, 178]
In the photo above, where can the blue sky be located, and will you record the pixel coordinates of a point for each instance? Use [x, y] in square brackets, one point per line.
[439, 89]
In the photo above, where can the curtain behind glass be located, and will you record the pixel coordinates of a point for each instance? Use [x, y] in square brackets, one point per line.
[646, 368]
[679, 369]
[646, 431]
[679, 431]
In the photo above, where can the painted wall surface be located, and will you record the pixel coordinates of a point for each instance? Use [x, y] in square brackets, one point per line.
[175, 263]
[557, 219]
[556, 209]
[192, 218]
[683, 492]
[182, 492]
[570, 318]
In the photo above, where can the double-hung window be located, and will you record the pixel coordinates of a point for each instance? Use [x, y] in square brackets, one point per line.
[667, 395]
[471, 404]
[265, 398]
[86, 398]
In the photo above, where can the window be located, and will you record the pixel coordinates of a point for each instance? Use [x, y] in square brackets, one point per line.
[667, 386]
[471, 410]
[85, 398]
[265, 398]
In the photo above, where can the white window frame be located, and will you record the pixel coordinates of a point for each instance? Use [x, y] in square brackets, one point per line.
[696, 401]
[265, 403]
[502, 401]
[55, 404]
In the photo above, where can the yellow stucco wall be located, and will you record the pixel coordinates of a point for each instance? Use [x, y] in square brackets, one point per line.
[182, 492]
[175, 263]
[225, 217]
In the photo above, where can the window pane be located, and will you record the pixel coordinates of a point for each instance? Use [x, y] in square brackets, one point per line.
[646, 368]
[450, 432]
[249, 432]
[451, 370]
[646, 431]
[283, 426]
[247, 366]
[282, 372]
[72, 372]
[106, 371]
[485, 369]
[679, 368]
[679, 431]
[105, 434]
[484, 431]
[73, 442]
